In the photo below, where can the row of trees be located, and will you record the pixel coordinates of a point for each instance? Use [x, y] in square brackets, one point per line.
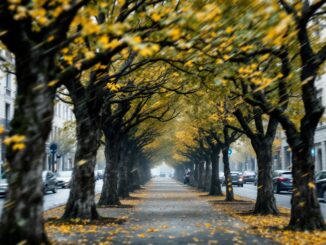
[126, 62]
[263, 74]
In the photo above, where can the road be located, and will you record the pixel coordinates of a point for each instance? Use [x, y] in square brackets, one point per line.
[57, 199]
[282, 200]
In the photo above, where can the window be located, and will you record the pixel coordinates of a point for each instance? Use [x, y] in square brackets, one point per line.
[7, 111]
[8, 84]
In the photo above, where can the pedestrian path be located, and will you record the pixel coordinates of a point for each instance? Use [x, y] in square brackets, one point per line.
[170, 213]
[173, 214]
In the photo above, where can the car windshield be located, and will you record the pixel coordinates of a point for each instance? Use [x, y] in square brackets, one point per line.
[234, 174]
[65, 174]
[249, 173]
[287, 175]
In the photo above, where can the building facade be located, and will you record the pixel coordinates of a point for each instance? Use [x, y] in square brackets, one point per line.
[319, 151]
[63, 158]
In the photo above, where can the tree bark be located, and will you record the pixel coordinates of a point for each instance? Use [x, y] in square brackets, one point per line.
[123, 190]
[22, 219]
[201, 180]
[109, 194]
[265, 201]
[81, 202]
[229, 188]
[305, 209]
[208, 174]
[215, 188]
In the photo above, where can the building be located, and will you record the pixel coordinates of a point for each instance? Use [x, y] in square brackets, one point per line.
[7, 98]
[64, 139]
[319, 151]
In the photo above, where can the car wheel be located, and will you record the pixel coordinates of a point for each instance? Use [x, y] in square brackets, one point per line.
[324, 195]
[54, 190]
[241, 185]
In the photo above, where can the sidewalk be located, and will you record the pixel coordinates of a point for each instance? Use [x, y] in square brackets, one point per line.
[171, 213]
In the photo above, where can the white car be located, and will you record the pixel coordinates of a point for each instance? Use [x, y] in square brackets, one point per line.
[3, 187]
[64, 179]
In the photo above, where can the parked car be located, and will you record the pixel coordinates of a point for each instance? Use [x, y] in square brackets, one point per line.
[3, 187]
[49, 181]
[282, 180]
[256, 180]
[64, 179]
[249, 176]
[321, 185]
[99, 174]
[237, 178]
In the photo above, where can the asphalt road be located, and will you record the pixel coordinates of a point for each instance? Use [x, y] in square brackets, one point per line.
[57, 199]
[282, 200]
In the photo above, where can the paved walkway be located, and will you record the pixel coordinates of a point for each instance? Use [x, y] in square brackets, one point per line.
[173, 214]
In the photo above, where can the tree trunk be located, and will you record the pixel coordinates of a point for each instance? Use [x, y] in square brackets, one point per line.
[109, 194]
[305, 210]
[229, 188]
[123, 190]
[196, 173]
[265, 201]
[22, 219]
[81, 202]
[201, 180]
[208, 173]
[215, 188]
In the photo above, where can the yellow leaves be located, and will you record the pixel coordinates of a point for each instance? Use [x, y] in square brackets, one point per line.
[89, 54]
[311, 185]
[195, 239]
[81, 162]
[136, 39]
[156, 17]
[53, 83]
[229, 30]
[208, 225]
[69, 59]
[39, 14]
[189, 63]
[275, 34]
[113, 87]
[151, 230]
[141, 235]
[149, 50]
[2, 130]
[219, 61]
[17, 142]
[105, 42]
[90, 28]
[175, 33]
[21, 13]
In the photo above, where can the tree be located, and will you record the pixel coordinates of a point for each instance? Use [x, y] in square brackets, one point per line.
[34, 40]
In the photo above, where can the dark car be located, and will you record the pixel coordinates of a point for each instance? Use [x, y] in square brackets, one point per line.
[237, 178]
[321, 185]
[282, 180]
[249, 176]
[49, 181]
[64, 179]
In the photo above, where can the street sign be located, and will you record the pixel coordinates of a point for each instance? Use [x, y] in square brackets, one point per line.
[313, 152]
[230, 152]
[53, 148]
